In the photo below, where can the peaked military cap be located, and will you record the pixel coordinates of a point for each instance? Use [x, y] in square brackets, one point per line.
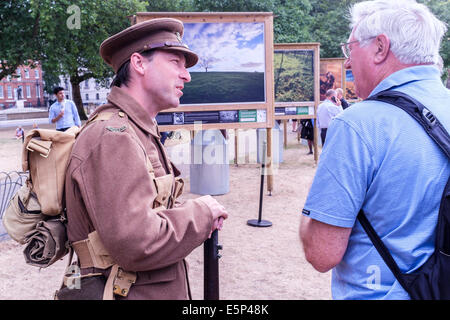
[160, 33]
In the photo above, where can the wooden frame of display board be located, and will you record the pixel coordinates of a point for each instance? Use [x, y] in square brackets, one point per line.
[336, 67]
[252, 74]
[309, 99]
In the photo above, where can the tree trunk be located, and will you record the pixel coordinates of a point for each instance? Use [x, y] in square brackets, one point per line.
[77, 99]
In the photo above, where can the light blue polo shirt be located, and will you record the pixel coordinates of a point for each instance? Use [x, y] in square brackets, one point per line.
[379, 158]
[70, 118]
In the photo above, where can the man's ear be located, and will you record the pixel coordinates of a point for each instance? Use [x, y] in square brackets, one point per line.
[137, 63]
[383, 46]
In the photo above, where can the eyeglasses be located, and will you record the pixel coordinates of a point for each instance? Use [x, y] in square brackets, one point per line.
[346, 48]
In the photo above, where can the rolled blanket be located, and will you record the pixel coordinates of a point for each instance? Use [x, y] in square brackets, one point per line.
[47, 243]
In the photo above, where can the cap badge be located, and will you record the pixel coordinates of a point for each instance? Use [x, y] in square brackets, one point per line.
[178, 36]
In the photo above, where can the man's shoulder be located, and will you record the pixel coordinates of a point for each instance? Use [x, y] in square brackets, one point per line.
[322, 104]
[107, 121]
[110, 129]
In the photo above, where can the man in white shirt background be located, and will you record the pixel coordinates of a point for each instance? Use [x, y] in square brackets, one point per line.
[326, 111]
[63, 112]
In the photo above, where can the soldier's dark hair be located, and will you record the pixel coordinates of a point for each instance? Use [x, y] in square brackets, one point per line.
[123, 74]
[57, 89]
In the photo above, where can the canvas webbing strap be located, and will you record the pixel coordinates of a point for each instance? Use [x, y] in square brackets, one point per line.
[41, 146]
[92, 254]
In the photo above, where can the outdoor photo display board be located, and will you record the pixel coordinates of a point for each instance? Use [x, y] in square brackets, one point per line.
[296, 80]
[332, 75]
[231, 86]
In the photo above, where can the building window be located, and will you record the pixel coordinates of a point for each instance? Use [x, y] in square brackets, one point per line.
[8, 78]
[87, 96]
[1, 93]
[38, 91]
[27, 73]
[28, 91]
[86, 84]
[9, 89]
[36, 73]
[97, 96]
[19, 75]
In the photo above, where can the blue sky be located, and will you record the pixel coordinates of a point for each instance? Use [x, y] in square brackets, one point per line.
[227, 46]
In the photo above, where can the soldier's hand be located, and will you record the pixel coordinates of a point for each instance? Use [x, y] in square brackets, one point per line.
[218, 211]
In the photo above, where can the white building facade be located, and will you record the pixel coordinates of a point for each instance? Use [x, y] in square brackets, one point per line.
[92, 93]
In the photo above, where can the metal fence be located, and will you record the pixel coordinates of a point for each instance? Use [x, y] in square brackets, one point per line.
[10, 182]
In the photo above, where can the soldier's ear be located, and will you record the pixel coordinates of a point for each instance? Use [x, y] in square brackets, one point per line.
[137, 63]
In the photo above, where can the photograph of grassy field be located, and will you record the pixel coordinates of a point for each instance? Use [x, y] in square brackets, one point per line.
[231, 63]
[294, 75]
[224, 87]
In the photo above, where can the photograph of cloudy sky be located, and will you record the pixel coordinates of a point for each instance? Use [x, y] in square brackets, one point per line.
[231, 63]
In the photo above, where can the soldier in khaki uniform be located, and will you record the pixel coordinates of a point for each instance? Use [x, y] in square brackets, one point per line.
[121, 188]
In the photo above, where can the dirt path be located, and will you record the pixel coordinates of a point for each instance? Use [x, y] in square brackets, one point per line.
[256, 263]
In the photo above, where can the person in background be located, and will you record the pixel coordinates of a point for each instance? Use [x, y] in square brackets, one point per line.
[63, 112]
[307, 132]
[20, 134]
[340, 96]
[326, 112]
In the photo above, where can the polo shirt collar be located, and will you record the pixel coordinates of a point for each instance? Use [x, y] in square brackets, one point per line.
[410, 74]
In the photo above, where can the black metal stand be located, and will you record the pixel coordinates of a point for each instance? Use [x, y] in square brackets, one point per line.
[259, 222]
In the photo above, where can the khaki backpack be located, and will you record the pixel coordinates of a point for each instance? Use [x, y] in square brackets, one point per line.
[35, 213]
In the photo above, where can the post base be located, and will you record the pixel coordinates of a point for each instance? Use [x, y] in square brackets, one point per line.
[259, 223]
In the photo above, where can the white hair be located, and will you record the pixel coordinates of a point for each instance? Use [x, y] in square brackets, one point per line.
[415, 34]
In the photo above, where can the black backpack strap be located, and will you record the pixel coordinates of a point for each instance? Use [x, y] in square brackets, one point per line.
[436, 131]
[419, 112]
[381, 248]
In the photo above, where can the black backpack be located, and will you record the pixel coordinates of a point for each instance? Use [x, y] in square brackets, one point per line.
[432, 280]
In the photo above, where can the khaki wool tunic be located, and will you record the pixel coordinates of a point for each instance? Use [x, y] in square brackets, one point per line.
[108, 188]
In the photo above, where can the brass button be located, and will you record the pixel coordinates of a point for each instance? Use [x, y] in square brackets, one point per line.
[121, 114]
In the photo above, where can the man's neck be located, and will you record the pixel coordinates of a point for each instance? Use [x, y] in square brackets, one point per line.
[139, 95]
[391, 66]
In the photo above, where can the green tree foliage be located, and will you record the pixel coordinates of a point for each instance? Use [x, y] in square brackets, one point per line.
[233, 5]
[47, 30]
[170, 6]
[291, 17]
[70, 34]
[441, 8]
[18, 41]
[330, 25]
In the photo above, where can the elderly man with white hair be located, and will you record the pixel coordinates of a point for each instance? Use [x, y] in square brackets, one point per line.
[381, 159]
